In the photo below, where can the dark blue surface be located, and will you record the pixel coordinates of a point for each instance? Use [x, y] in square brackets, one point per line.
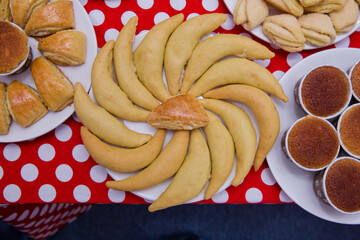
[197, 221]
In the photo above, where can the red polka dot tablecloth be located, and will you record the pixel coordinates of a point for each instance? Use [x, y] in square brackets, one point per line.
[56, 168]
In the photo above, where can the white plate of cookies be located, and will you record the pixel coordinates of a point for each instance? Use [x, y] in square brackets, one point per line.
[303, 28]
[62, 53]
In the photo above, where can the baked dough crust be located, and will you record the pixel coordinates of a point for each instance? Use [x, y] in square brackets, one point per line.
[5, 11]
[345, 19]
[64, 48]
[54, 87]
[24, 104]
[326, 6]
[250, 13]
[5, 118]
[182, 112]
[21, 10]
[288, 6]
[51, 18]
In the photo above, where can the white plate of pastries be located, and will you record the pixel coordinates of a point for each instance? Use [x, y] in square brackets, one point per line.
[298, 24]
[63, 49]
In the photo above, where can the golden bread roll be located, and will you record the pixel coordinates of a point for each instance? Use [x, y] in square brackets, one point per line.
[308, 3]
[289, 6]
[64, 48]
[24, 104]
[317, 29]
[5, 11]
[5, 118]
[182, 112]
[250, 13]
[345, 19]
[14, 47]
[284, 31]
[22, 9]
[54, 87]
[326, 6]
[51, 18]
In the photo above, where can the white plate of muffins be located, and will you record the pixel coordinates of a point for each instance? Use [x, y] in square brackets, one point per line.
[298, 182]
[37, 88]
[299, 25]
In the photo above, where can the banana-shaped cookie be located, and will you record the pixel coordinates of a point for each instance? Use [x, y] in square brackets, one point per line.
[264, 110]
[238, 70]
[326, 6]
[222, 153]
[250, 13]
[289, 6]
[107, 93]
[122, 159]
[242, 132]
[214, 48]
[149, 56]
[284, 31]
[182, 42]
[317, 28]
[191, 177]
[125, 69]
[103, 124]
[163, 167]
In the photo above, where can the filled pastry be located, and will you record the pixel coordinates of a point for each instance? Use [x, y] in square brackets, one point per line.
[288, 6]
[22, 9]
[250, 13]
[5, 12]
[326, 6]
[5, 118]
[284, 31]
[51, 18]
[24, 104]
[54, 87]
[64, 48]
[345, 19]
[318, 29]
[181, 112]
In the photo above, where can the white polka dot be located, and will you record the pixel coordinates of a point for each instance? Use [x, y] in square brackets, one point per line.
[1, 172]
[52, 208]
[12, 193]
[267, 177]
[111, 34]
[178, 4]
[97, 17]
[229, 23]
[23, 215]
[210, 5]
[246, 35]
[98, 173]
[293, 58]
[34, 212]
[125, 17]
[191, 15]
[82, 193]
[113, 3]
[264, 63]
[221, 197]
[75, 117]
[83, 2]
[10, 218]
[278, 74]
[29, 172]
[64, 173]
[343, 43]
[253, 195]
[161, 16]
[284, 197]
[47, 193]
[80, 154]
[12, 152]
[46, 152]
[116, 196]
[145, 4]
[63, 133]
